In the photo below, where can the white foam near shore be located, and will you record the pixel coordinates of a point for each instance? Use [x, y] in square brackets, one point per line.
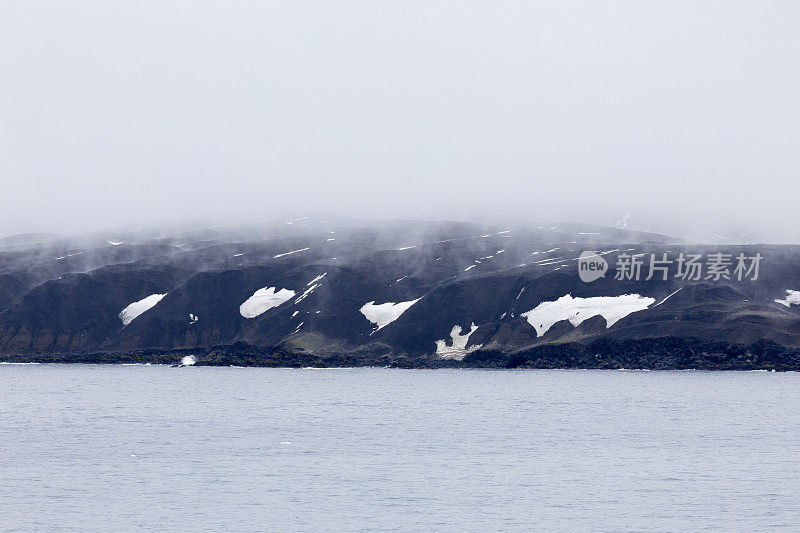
[188, 360]
[576, 310]
[263, 300]
[384, 314]
[792, 297]
[137, 308]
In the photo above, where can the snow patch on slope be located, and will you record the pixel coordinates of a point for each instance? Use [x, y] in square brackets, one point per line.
[313, 284]
[668, 297]
[316, 279]
[290, 253]
[576, 310]
[306, 293]
[384, 314]
[263, 300]
[137, 308]
[792, 297]
[458, 345]
[68, 255]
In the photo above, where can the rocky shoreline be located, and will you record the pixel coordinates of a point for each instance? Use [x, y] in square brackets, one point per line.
[666, 353]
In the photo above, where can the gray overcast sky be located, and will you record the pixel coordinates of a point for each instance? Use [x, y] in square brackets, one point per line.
[116, 112]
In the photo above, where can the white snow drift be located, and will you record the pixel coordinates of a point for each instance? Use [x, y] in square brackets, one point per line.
[137, 308]
[384, 314]
[290, 253]
[313, 281]
[306, 293]
[792, 297]
[263, 300]
[576, 310]
[458, 346]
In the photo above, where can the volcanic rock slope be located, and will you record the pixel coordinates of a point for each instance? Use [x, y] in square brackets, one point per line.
[329, 285]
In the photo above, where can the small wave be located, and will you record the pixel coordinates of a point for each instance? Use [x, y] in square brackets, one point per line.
[10, 363]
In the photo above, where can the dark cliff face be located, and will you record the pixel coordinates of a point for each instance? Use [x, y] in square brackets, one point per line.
[306, 282]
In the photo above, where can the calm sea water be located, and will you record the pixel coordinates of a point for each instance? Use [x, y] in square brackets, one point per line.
[245, 449]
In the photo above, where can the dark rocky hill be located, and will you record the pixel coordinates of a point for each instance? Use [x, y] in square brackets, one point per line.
[328, 290]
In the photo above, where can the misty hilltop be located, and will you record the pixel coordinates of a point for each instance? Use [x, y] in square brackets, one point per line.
[322, 290]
